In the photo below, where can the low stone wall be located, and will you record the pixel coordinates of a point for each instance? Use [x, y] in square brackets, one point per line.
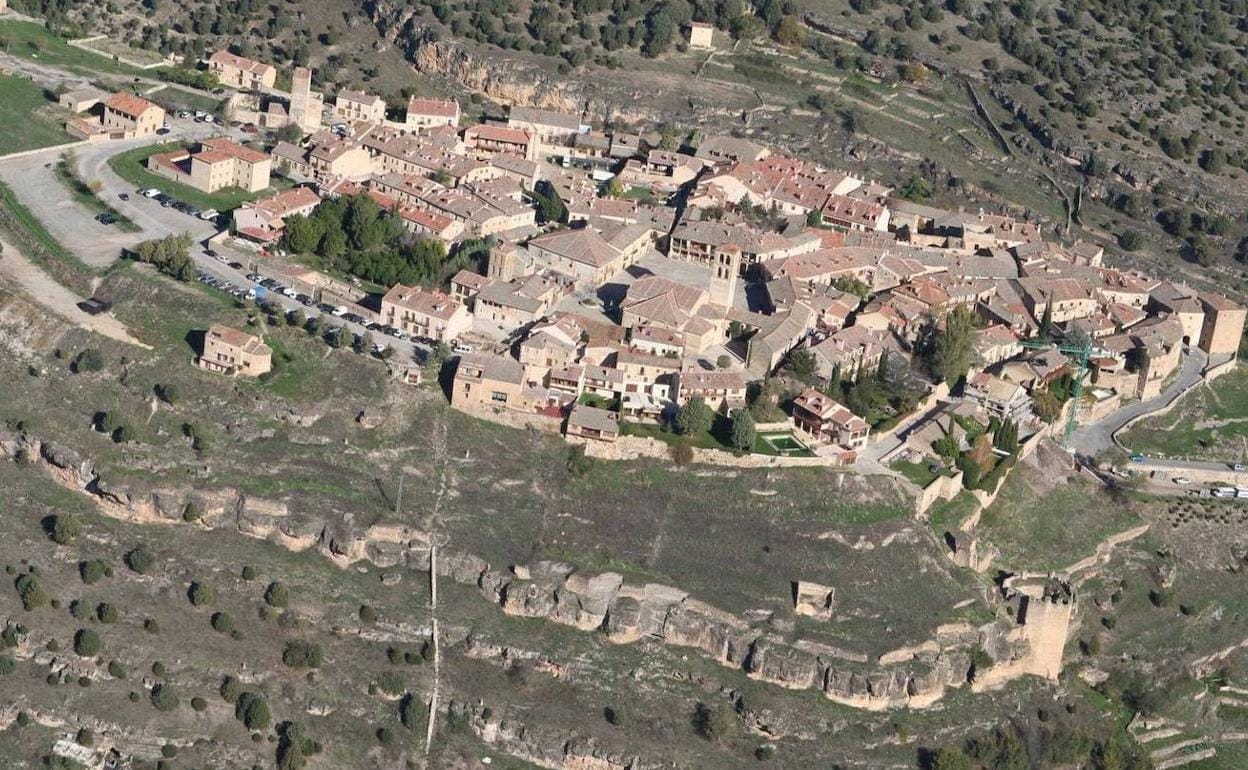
[634, 447]
[941, 488]
[1209, 375]
[1215, 371]
[516, 419]
[1103, 550]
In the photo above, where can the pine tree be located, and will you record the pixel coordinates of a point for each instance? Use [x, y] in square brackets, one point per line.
[743, 430]
[1046, 321]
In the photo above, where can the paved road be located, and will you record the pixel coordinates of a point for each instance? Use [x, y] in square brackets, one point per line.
[1161, 463]
[34, 181]
[1092, 439]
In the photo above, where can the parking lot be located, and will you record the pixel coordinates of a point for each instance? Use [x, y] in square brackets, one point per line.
[224, 272]
[34, 182]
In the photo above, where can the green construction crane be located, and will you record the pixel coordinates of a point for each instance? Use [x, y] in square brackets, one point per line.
[1081, 354]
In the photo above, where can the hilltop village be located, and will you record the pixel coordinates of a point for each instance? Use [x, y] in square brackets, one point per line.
[641, 286]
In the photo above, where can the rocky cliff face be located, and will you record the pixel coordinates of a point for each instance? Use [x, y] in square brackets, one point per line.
[502, 78]
[559, 592]
[542, 747]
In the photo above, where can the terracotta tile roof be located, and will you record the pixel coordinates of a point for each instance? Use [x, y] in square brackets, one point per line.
[227, 59]
[491, 133]
[431, 303]
[827, 408]
[129, 104]
[246, 342]
[235, 150]
[442, 108]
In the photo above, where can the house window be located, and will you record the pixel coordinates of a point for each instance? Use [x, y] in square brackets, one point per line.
[498, 397]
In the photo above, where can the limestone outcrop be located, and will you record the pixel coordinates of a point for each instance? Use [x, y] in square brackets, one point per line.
[624, 613]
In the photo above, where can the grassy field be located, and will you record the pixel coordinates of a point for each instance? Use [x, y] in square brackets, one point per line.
[1211, 422]
[22, 126]
[1048, 517]
[129, 166]
[29, 40]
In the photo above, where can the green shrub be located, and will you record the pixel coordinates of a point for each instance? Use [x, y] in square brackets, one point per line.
[116, 670]
[164, 697]
[106, 613]
[367, 614]
[222, 622]
[140, 560]
[300, 653]
[94, 570]
[200, 593]
[65, 527]
[198, 703]
[30, 591]
[87, 643]
[252, 710]
[89, 360]
[230, 689]
[7, 665]
[276, 595]
[249, 572]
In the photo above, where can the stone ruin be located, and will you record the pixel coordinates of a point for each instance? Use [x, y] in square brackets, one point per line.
[813, 600]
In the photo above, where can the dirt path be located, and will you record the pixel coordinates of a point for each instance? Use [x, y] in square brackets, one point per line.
[55, 297]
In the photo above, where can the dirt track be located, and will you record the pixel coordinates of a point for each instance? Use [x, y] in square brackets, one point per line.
[47, 292]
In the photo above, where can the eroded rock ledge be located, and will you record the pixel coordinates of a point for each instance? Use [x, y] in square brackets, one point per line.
[913, 677]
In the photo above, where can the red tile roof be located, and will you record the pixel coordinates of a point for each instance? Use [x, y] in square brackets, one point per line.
[129, 104]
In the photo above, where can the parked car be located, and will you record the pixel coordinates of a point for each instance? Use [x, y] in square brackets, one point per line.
[250, 128]
[209, 215]
[462, 348]
[1238, 467]
[289, 292]
[305, 300]
[162, 131]
[210, 253]
[150, 192]
[236, 265]
[1137, 458]
[1183, 481]
[105, 218]
[353, 318]
[124, 196]
[339, 311]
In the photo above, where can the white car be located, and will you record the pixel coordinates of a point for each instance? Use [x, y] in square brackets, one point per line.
[340, 311]
[460, 348]
[1182, 481]
[209, 215]
[289, 292]
[151, 192]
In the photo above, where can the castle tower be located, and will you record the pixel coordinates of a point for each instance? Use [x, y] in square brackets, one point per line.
[726, 265]
[305, 106]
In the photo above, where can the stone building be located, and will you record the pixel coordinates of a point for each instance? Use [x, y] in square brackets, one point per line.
[229, 351]
[1223, 326]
